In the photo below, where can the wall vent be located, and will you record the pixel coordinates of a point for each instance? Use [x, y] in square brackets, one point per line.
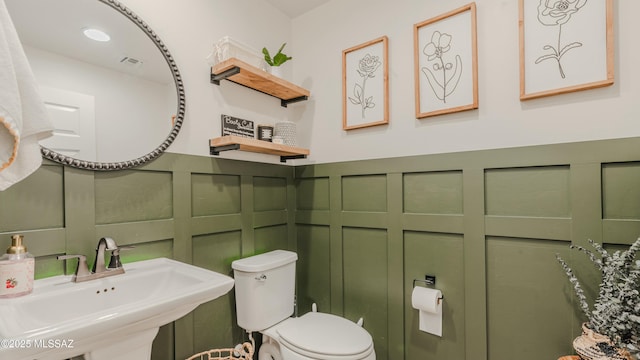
[129, 61]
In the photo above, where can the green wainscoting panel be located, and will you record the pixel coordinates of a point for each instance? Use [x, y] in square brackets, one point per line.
[37, 202]
[440, 255]
[163, 345]
[271, 238]
[214, 322]
[195, 209]
[313, 268]
[365, 282]
[364, 193]
[529, 300]
[47, 266]
[269, 193]
[43, 241]
[132, 195]
[538, 192]
[489, 223]
[433, 192]
[509, 297]
[620, 231]
[213, 194]
[138, 232]
[621, 191]
[312, 194]
[146, 251]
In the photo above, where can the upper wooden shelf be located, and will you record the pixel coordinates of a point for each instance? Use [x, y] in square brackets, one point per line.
[232, 142]
[250, 76]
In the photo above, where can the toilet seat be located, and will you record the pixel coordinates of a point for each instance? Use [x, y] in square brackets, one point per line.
[325, 336]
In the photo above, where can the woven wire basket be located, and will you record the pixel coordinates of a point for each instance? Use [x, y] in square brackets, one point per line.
[240, 352]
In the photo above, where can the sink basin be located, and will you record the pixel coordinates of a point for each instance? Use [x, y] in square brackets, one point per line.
[111, 318]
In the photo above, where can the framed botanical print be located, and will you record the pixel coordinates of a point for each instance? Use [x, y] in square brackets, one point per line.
[565, 46]
[365, 85]
[445, 63]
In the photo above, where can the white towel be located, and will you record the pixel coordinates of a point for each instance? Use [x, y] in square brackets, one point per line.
[23, 117]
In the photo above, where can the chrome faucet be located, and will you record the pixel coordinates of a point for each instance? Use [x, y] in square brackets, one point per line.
[99, 270]
[105, 243]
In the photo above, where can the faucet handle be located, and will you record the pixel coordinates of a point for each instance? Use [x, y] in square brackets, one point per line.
[115, 262]
[82, 270]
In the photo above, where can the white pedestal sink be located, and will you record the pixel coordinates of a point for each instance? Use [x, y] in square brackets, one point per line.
[113, 318]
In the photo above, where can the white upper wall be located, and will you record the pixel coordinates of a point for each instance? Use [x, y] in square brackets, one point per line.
[189, 29]
[501, 121]
[316, 40]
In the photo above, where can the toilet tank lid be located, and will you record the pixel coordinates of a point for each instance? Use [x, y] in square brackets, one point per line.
[266, 261]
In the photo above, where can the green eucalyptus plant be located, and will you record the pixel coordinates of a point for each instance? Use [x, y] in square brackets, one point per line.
[278, 59]
[616, 310]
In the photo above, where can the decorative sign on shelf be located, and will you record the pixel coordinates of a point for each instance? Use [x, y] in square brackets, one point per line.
[265, 132]
[235, 126]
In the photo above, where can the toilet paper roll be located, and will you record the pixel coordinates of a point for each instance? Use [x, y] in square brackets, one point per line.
[429, 303]
[426, 299]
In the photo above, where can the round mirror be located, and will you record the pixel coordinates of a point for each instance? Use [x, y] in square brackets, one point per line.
[114, 93]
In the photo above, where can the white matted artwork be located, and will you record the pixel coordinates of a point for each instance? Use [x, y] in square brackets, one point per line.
[365, 85]
[565, 46]
[445, 63]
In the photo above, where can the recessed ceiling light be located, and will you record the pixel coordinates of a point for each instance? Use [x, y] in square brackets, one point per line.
[95, 34]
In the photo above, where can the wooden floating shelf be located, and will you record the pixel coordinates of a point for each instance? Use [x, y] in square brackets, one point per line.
[250, 76]
[232, 142]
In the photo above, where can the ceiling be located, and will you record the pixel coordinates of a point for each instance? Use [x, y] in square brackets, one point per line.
[59, 33]
[55, 27]
[295, 8]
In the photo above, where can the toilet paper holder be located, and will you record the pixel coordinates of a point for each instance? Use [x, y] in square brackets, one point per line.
[429, 281]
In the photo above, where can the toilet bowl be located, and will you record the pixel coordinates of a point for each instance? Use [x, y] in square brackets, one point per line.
[264, 287]
[316, 336]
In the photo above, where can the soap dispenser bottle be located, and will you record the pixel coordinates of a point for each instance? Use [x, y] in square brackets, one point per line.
[16, 270]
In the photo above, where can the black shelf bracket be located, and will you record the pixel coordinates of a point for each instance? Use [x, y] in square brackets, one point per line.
[216, 150]
[215, 78]
[284, 103]
[291, 157]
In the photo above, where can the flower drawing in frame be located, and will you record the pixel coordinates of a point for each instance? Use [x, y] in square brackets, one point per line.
[565, 46]
[446, 66]
[367, 67]
[558, 13]
[435, 51]
[365, 86]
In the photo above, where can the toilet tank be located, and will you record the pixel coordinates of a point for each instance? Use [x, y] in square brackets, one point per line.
[265, 289]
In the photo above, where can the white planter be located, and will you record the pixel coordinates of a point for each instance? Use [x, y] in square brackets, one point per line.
[277, 71]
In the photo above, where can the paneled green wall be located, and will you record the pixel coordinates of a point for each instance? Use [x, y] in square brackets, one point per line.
[487, 224]
[199, 210]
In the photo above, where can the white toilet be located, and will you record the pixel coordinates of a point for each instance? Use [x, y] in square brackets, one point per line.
[265, 290]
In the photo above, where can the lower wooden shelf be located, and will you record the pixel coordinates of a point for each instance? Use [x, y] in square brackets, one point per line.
[232, 142]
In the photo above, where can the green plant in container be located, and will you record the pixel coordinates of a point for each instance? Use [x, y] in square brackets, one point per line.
[278, 59]
[614, 319]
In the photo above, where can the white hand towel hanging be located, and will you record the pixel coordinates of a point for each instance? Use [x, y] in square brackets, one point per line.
[23, 117]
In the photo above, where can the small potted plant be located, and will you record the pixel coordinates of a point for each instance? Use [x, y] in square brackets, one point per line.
[278, 59]
[612, 330]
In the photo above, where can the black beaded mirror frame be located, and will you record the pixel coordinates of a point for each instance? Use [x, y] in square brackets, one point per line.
[106, 166]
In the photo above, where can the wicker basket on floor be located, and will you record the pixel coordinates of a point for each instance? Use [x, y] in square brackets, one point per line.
[241, 352]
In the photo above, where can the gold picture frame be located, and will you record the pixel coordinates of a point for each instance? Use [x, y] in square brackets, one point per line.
[446, 63]
[565, 49]
[365, 84]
